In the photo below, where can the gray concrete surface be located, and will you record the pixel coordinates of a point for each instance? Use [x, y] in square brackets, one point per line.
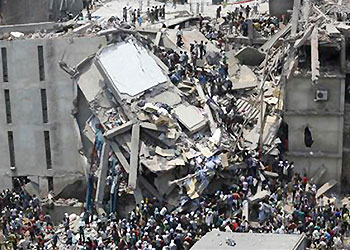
[27, 122]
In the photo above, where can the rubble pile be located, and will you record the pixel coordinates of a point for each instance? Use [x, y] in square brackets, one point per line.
[185, 134]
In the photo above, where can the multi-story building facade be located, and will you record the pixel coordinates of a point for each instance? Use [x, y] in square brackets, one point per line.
[39, 136]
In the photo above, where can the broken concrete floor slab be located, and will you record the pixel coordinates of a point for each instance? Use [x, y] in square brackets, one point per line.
[247, 79]
[190, 117]
[250, 56]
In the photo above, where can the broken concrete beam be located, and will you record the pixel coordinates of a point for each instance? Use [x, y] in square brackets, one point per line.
[295, 17]
[344, 29]
[250, 56]
[325, 187]
[271, 42]
[151, 126]
[134, 157]
[317, 177]
[101, 184]
[224, 160]
[118, 130]
[301, 41]
[315, 63]
[121, 158]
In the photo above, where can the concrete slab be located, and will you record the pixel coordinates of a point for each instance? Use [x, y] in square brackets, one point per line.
[325, 187]
[259, 196]
[332, 31]
[247, 79]
[165, 152]
[190, 117]
[130, 68]
[320, 172]
[217, 240]
[250, 56]
[170, 98]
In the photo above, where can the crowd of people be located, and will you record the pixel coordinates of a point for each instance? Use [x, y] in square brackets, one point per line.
[290, 205]
[151, 225]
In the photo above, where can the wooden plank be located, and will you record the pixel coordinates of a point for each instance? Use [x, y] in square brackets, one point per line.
[118, 130]
[101, 183]
[315, 63]
[134, 156]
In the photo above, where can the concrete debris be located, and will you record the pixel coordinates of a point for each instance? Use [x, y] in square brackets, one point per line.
[250, 56]
[189, 117]
[247, 79]
[325, 187]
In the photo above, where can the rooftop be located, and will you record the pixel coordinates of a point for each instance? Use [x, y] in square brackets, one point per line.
[249, 241]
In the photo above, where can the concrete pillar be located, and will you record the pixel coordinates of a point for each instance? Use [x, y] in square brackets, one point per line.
[134, 157]
[101, 183]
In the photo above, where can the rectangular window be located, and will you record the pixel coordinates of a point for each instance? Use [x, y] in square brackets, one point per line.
[47, 149]
[8, 106]
[11, 149]
[50, 183]
[5, 75]
[44, 105]
[41, 63]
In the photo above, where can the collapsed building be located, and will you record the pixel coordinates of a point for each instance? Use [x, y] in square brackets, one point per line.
[156, 133]
[37, 11]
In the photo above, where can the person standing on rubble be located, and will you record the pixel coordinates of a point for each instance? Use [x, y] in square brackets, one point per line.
[179, 35]
[156, 13]
[201, 19]
[82, 232]
[174, 4]
[163, 12]
[247, 11]
[139, 20]
[125, 14]
[133, 17]
[218, 13]
[152, 16]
